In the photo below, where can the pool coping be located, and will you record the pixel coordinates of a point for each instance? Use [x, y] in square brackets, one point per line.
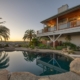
[36, 51]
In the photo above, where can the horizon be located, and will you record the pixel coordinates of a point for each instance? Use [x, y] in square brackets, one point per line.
[21, 15]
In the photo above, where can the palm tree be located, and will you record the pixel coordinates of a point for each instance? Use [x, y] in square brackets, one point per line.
[29, 34]
[4, 59]
[4, 32]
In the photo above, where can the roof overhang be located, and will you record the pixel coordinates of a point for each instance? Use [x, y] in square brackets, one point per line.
[62, 13]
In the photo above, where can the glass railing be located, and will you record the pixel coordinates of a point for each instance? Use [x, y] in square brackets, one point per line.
[52, 29]
[71, 24]
[64, 26]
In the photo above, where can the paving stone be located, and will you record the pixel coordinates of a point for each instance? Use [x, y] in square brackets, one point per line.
[63, 76]
[23, 76]
[4, 75]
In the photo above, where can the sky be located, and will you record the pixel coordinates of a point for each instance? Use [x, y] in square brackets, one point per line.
[21, 15]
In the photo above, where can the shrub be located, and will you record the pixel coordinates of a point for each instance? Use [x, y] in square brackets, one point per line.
[42, 46]
[32, 47]
[52, 48]
[35, 42]
[59, 47]
[72, 46]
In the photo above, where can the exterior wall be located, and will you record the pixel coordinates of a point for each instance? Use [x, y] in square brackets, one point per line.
[75, 38]
[62, 38]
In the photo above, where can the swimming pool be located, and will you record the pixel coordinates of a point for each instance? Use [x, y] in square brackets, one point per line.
[39, 64]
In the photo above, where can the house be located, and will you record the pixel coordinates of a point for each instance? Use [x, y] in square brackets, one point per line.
[65, 23]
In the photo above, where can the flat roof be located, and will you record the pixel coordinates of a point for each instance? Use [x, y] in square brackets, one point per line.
[62, 13]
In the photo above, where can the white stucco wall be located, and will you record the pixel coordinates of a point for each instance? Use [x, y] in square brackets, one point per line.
[75, 38]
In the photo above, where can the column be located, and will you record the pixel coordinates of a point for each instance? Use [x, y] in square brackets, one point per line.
[57, 24]
[53, 40]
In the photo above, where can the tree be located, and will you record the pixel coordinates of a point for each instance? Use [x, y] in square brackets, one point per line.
[35, 42]
[29, 34]
[4, 32]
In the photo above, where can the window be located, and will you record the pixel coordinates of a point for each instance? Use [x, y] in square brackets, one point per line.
[63, 21]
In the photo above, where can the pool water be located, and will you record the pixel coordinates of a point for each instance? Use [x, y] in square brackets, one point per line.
[39, 64]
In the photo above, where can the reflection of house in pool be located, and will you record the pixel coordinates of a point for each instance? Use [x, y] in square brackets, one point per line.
[55, 65]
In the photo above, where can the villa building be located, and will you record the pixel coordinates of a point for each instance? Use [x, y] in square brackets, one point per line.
[65, 23]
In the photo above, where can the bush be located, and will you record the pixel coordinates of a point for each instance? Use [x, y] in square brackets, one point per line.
[35, 42]
[72, 46]
[43, 46]
[32, 47]
[59, 47]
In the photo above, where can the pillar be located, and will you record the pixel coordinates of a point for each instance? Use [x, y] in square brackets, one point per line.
[53, 40]
[57, 24]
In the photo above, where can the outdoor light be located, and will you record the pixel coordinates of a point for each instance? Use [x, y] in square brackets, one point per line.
[78, 18]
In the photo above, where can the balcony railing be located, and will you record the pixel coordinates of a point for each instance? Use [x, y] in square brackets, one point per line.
[52, 29]
[64, 26]
[72, 24]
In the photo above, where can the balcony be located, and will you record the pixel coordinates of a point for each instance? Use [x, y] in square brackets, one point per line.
[69, 27]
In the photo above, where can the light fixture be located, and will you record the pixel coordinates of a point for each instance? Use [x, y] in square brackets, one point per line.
[78, 18]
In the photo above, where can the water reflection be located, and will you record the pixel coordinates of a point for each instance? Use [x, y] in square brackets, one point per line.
[29, 56]
[36, 63]
[4, 60]
[53, 63]
[50, 63]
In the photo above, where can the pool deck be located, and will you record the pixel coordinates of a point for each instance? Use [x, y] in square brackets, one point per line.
[76, 55]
